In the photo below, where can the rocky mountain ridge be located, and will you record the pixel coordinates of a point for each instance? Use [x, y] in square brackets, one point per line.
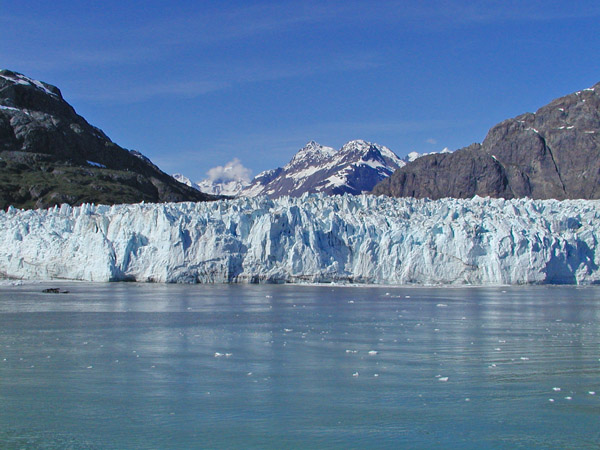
[552, 153]
[50, 155]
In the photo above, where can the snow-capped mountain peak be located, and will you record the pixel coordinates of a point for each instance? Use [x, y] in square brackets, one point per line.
[354, 169]
[311, 154]
[367, 151]
[185, 180]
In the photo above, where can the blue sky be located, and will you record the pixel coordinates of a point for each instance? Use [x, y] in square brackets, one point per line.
[194, 84]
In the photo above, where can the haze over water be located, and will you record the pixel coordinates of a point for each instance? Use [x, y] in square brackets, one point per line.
[279, 366]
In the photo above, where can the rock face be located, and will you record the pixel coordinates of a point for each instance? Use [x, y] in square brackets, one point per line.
[357, 167]
[554, 153]
[315, 238]
[50, 155]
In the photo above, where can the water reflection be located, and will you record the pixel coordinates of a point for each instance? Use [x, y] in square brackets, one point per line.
[132, 365]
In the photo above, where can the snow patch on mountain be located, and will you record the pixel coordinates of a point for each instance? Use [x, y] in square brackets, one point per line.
[314, 238]
[17, 78]
[412, 156]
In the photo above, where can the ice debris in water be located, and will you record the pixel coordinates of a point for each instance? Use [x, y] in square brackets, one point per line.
[313, 238]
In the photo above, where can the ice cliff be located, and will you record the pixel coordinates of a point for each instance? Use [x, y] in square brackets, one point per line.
[313, 238]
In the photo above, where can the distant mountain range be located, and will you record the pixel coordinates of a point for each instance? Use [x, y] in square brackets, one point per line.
[553, 153]
[50, 155]
[356, 168]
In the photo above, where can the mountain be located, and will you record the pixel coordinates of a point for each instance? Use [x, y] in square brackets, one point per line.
[357, 167]
[227, 188]
[50, 155]
[314, 238]
[552, 153]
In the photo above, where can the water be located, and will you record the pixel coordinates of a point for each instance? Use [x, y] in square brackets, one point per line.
[132, 366]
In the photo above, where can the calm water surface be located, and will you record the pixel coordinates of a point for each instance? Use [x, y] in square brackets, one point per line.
[140, 366]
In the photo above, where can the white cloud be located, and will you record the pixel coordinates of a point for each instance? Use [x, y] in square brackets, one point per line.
[431, 141]
[232, 171]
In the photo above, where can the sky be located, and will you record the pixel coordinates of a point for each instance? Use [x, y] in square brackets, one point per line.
[195, 84]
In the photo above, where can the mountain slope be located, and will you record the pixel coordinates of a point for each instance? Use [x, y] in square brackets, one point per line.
[50, 155]
[357, 167]
[554, 153]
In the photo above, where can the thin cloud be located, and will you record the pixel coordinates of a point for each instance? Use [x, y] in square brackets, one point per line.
[215, 79]
[431, 141]
[144, 92]
[205, 27]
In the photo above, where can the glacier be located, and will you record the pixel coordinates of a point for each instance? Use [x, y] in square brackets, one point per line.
[312, 239]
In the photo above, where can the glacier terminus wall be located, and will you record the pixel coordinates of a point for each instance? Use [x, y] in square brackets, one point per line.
[314, 238]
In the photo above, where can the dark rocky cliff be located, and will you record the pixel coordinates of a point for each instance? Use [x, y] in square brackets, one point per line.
[50, 155]
[554, 153]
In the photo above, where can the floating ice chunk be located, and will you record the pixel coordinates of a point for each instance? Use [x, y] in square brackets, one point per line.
[441, 305]
[568, 398]
[524, 358]
[556, 389]
[443, 379]
[592, 392]
[351, 351]
[355, 374]
[551, 400]
[373, 352]
[218, 355]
